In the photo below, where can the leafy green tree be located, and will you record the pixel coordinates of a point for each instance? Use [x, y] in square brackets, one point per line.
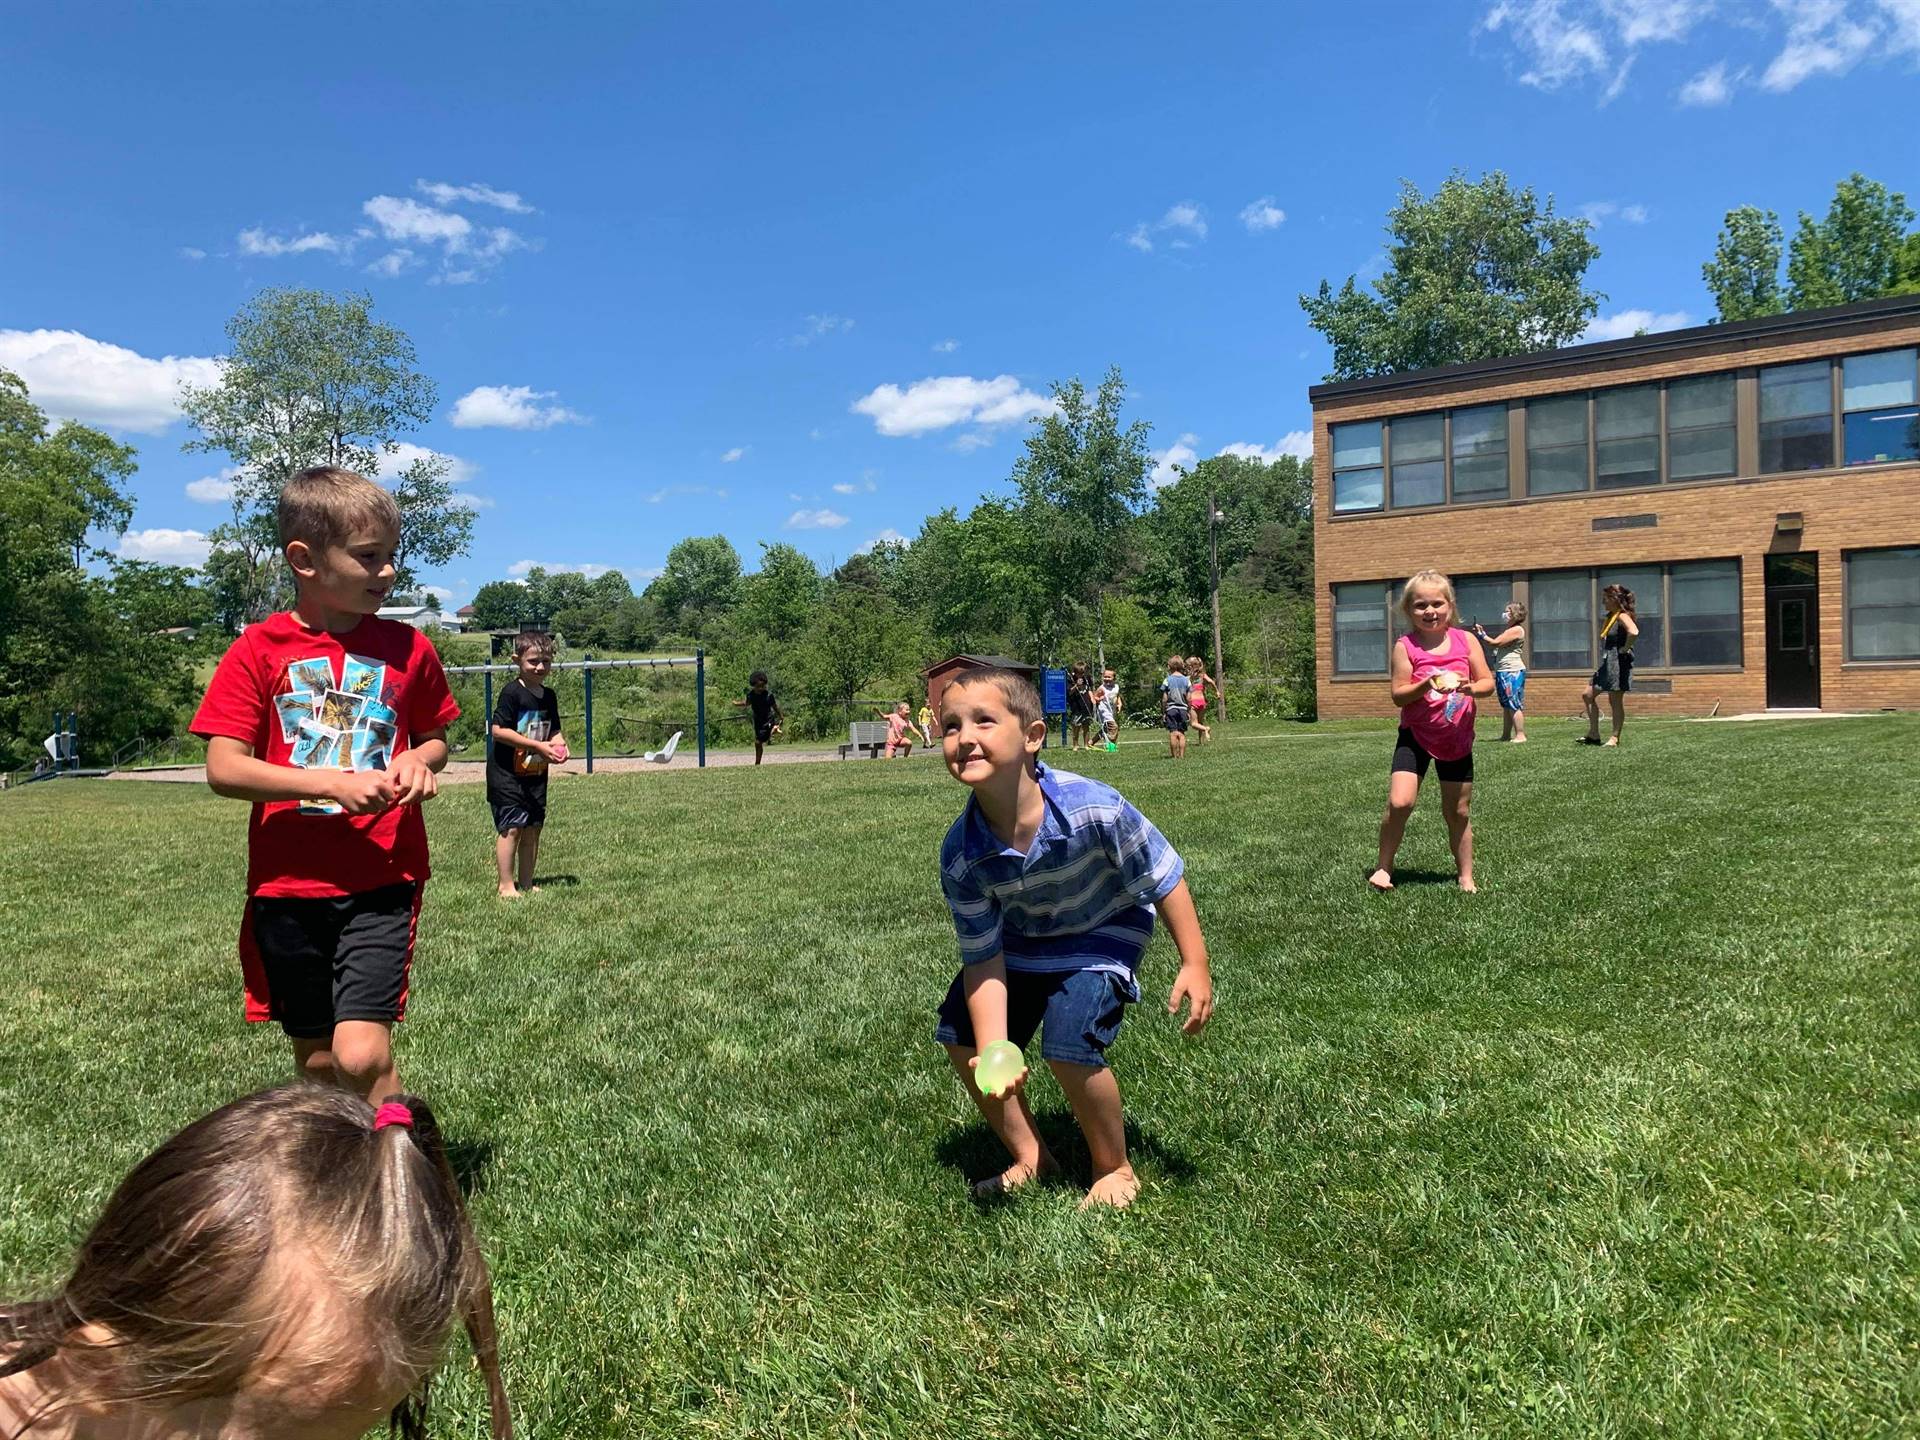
[1081, 481]
[857, 639]
[152, 598]
[700, 584]
[501, 605]
[1477, 270]
[1857, 252]
[313, 379]
[778, 599]
[1744, 274]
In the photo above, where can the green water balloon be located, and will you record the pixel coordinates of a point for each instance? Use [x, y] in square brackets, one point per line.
[1000, 1064]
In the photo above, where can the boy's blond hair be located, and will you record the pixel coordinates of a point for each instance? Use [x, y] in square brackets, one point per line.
[321, 505]
[1428, 577]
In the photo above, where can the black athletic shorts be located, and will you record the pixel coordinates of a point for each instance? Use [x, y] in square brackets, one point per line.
[1176, 718]
[763, 733]
[1412, 757]
[316, 962]
[517, 812]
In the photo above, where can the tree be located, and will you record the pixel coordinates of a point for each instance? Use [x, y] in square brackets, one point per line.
[500, 605]
[700, 584]
[1476, 271]
[1744, 274]
[856, 639]
[313, 379]
[778, 599]
[1857, 252]
[1080, 482]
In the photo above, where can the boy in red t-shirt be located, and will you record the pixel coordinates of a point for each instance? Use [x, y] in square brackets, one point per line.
[333, 722]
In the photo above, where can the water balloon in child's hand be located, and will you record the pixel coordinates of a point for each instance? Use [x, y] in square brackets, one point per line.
[560, 752]
[998, 1067]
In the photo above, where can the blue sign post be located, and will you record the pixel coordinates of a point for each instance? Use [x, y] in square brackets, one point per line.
[1053, 698]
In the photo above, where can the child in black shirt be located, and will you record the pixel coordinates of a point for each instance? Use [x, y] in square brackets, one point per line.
[526, 740]
[767, 718]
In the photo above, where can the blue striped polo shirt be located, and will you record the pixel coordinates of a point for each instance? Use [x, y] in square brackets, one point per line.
[1082, 896]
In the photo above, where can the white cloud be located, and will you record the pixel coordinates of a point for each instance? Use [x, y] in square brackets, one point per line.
[392, 462]
[864, 486]
[1634, 214]
[214, 489]
[1297, 443]
[888, 536]
[73, 376]
[736, 453]
[1823, 38]
[945, 400]
[520, 569]
[1631, 322]
[511, 407]
[1185, 222]
[192, 252]
[1712, 86]
[466, 500]
[403, 219]
[443, 194]
[259, 242]
[816, 433]
[672, 490]
[1598, 212]
[815, 520]
[166, 547]
[818, 327]
[446, 595]
[970, 441]
[1168, 463]
[946, 347]
[1563, 42]
[393, 263]
[1263, 214]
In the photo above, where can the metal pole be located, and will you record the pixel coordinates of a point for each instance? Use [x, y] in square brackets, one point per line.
[589, 722]
[486, 720]
[700, 701]
[1214, 517]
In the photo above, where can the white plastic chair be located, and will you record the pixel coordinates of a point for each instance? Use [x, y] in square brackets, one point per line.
[665, 753]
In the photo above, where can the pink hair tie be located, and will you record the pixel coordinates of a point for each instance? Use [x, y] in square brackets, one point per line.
[392, 1113]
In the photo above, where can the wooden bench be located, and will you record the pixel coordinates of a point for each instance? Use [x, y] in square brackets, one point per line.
[867, 735]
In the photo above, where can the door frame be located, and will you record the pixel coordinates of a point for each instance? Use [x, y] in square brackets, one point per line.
[1772, 596]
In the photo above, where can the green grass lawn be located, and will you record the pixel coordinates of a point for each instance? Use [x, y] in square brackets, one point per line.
[1628, 1144]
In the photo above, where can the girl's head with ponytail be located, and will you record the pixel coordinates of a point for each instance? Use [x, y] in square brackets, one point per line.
[292, 1264]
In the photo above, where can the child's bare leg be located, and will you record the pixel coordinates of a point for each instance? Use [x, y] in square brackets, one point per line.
[1012, 1121]
[759, 749]
[1095, 1097]
[314, 1060]
[1519, 727]
[1401, 795]
[529, 855]
[1593, 713]
[1506, 724]
[359, 1057]
[1454, 798]
[503, 849]
[1617, 702]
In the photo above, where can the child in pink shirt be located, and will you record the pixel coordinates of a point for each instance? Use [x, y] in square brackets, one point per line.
[899, 729]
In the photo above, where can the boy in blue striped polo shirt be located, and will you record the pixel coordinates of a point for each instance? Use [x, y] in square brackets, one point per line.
[1053, 880]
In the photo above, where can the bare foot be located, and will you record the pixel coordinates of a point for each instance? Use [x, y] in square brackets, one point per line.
[507, 892]
[1116, 1188]
[532, 890]
[1466, 884]
[1519, 739]
[1381, 880]
[1016, 1175]
[1611, 743]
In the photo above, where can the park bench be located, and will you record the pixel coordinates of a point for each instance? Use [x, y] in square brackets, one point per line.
[867, 735]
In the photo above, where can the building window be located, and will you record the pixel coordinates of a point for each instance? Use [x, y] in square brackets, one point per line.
[1649, 609]
[1883, 604]
[1357, 468]
[1626, 432]
[1418, 475]
[1557, 445]
[1796, 417]
[1700, 428]
[1480, 454]
[1360, 628]
[1560, 619]
[1705, 613]
[1481, 599]
[1881, 421]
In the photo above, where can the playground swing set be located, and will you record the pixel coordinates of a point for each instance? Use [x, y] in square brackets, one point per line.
[588, 667]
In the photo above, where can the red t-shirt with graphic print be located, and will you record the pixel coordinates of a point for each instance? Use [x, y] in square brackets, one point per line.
[311, 699]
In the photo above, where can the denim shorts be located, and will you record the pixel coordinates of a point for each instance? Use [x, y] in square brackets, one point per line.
[1077, 1012]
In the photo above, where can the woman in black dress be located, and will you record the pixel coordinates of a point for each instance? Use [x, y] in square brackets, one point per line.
[1614, 675]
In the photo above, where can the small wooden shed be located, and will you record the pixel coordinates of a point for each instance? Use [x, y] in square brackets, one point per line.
[938, 677]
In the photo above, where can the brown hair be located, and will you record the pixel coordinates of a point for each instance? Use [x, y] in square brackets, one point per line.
[1517, 612]
[530, 640]
[323, 503]
[1195, 665]
[1617, 597]
[182, 1268]
[1427, 577]
[1014, 688]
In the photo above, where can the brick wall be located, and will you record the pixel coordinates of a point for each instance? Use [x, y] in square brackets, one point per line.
[1842, 510]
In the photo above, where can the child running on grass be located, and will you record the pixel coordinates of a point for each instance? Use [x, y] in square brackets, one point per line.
[1079, 707]
[1174, 691]
[1437, 671]
[526, 740]
[1053, 881]
[1510, 671]
[1198, 677]
[1106, 708]
[899, 729]
[333, 722]
[290, 1265]
[923, 722]
[767, 718]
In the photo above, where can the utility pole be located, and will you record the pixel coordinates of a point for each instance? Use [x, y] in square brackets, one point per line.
[1214, 517]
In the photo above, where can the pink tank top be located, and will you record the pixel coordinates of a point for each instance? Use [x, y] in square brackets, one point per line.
[1443, 723]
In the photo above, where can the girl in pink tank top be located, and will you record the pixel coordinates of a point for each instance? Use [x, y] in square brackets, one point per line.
[1438, 672]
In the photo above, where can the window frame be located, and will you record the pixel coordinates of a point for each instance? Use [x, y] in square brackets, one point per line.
[1506, 453]
[1847, 654]
[1666, 665]
[1585, 397]
[1386, 589]
[1335, 471]
[1760, 422]
[1388, 499]
[1667, 428]
[1840, 428]
[1658, 435]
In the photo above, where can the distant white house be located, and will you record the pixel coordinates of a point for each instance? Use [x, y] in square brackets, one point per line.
[421, 616]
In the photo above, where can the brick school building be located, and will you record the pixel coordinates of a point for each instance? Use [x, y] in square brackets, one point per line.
[1756, 485]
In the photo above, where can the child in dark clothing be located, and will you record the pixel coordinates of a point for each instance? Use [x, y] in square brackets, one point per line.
[767, 718]
[526, 740]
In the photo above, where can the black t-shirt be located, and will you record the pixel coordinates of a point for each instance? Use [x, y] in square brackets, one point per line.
[762, 703]
[511, 770]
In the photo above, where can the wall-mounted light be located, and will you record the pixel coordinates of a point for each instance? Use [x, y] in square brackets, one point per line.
[1789, 522]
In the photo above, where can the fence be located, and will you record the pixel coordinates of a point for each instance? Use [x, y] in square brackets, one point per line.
[587, 669]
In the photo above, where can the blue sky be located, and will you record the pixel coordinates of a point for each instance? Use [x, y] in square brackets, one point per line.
[798, 273]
